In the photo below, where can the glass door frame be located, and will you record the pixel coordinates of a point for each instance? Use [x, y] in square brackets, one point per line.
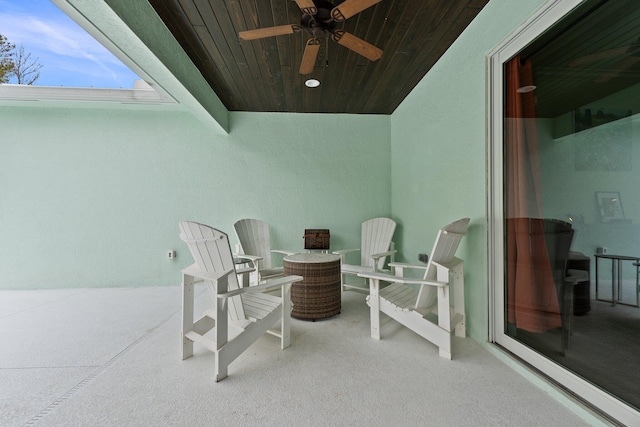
[544, 18]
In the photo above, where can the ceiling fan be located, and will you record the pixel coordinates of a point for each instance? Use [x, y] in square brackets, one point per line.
[320, 18]
[624, 57]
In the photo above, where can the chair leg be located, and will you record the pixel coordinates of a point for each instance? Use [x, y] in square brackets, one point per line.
[222, 369]
[285, 340]
[374, 304]
[187, 315]
[221, 331]
[445, 351]
[444, 321]
[458, 300]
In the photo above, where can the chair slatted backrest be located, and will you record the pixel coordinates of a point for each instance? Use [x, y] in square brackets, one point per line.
[210, 250]
[254, 238]
[376, 238]
[443, 252]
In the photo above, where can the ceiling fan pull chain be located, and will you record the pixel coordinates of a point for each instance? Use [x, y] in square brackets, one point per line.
[324, 52]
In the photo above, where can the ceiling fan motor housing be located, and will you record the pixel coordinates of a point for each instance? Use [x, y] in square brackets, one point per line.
[321, 23]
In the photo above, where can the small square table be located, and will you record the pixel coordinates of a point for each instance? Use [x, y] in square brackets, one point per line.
[616, 277]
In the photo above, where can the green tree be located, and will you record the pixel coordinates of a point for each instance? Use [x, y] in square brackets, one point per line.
[6, 59]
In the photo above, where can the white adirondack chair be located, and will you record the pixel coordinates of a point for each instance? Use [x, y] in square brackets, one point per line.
[254, 243]
[415, 308]
[375, 247]
[239, 316]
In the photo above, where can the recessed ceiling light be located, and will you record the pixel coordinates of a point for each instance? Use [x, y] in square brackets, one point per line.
[526, 89]
[312, 83]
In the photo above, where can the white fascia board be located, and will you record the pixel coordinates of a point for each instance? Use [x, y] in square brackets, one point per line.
[129, 42]
[14, 92]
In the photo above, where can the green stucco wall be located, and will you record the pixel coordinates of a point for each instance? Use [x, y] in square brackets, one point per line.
[439, 146]
[92, 197]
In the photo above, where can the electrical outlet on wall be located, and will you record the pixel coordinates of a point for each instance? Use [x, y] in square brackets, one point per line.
[171, 254]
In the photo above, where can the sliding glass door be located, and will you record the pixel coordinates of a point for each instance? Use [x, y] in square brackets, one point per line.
[565, 199]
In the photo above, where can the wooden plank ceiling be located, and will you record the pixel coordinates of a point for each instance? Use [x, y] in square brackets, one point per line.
[262, 75]
[591, 54]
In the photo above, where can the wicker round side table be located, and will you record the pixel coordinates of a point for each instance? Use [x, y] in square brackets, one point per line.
[318, 295]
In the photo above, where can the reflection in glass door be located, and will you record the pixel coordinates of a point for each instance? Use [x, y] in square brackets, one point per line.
[571, 200]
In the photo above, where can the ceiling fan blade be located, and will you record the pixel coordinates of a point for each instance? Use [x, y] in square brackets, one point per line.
[307, 6]
[351, 7]
[357, 45]
[261, 33]
[309, 57]
[598, 56]
[619, 68]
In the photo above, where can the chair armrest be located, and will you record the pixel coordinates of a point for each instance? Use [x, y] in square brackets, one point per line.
[407, 265]
[376, 258]
[451, 264]
[577, 276]
[245, 270]
[271, 284]
[382, 254]
[249, 257]
[194, 270]
[250, 260]
[398, 267]
[396, 279]
[283, 252]
[345, 251]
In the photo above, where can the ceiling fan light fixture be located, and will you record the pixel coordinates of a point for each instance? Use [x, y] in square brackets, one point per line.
[312, 83]
[526, 89]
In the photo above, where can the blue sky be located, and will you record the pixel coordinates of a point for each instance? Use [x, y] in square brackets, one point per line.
[69, 55]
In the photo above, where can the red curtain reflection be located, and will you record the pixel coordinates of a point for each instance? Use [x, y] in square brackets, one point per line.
[532, 302]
